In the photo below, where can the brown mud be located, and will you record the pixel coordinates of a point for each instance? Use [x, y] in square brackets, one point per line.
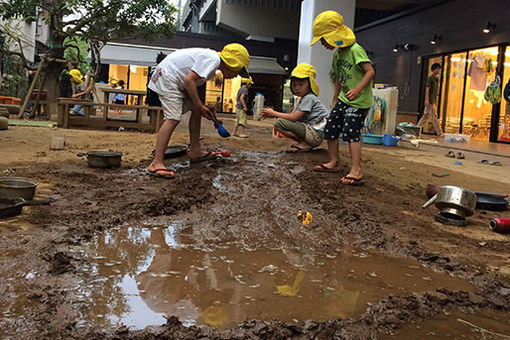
[54, 259]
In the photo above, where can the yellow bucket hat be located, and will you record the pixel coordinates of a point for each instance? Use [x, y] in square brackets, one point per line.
[247, 80]
[330, 26]
[236, 57]
[113, 82]
[76, 74]
[306, 71]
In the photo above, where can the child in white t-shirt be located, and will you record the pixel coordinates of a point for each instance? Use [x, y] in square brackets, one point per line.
[175, 81]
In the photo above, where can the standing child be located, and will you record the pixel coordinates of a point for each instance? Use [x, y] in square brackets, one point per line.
[242, 108]
[119, 98]
[305, 124]
[175, 81]
[352, 74]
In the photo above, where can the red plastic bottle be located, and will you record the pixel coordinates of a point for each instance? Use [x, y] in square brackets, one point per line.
[500, 225]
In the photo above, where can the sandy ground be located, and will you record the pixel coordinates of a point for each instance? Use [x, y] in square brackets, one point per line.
[384, 216]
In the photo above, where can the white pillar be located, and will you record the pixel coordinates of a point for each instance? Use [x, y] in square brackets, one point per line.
[317, 55]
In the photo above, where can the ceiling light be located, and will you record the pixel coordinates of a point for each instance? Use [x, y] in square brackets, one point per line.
[435, 40]
[489, 27]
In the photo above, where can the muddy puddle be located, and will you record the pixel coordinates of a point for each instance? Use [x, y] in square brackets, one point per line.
[136, 276]
[486, 324]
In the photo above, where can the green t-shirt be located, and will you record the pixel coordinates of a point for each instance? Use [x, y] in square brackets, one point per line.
[433, 83]
[345, 67]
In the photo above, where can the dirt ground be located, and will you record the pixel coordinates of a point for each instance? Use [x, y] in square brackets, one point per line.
[41, 251]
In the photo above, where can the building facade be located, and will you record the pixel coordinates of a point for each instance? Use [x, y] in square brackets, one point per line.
[470, 39]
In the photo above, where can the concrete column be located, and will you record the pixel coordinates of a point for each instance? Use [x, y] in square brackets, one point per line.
[317, 55]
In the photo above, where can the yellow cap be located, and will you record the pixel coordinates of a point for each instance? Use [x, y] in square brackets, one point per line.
[330, 26]
[113, 82]
[76, 74]
[306, 71]
[236, 57]
[247, 80]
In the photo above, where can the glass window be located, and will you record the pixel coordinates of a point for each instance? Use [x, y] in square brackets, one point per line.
[504, 115]
[214, 92]
[476, 120]
[453, 94]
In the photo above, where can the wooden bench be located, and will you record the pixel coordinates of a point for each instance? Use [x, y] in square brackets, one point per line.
[102, 121]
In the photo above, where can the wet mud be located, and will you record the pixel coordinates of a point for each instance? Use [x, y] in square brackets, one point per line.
[219, 253]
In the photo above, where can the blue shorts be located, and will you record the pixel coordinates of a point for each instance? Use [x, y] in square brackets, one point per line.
[345, 122]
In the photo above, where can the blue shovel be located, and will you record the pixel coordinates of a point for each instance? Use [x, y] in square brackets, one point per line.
[221, 130]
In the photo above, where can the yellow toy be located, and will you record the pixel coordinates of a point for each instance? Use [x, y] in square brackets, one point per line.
[305, 217]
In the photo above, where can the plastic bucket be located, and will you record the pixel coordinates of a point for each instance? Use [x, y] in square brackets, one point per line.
[369, 138]
[389, 140]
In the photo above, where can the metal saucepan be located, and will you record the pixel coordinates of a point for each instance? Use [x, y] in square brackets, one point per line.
[455, 202]
[102, 159]
[14, 207]
[13, 187]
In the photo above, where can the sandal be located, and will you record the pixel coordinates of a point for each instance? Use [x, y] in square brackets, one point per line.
[483, 161]
[498, 163]
[323, 168]
[460, 155]
[209, 156]
[450, 154]
[352, 181]
[156, 173]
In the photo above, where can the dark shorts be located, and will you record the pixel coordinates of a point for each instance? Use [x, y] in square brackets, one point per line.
[119, 101]
[345, 122]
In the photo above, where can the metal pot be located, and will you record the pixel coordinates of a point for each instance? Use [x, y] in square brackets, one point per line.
[455, 202]
[102, 159]
[17, 187]
[14, 207]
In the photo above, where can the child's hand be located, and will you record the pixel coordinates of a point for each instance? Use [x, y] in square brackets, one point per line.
[267, 112]
[204, 111]
[352, 94]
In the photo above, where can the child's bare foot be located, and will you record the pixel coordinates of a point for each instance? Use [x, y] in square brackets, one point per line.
[242, 136]
[160, 170]
[353, 178]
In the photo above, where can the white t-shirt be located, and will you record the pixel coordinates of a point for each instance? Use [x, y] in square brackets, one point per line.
[168, 78]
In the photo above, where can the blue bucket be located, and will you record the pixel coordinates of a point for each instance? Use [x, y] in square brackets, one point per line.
[390, 140]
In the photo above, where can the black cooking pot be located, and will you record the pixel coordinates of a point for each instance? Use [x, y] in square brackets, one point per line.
[102, 159]
[14, 207]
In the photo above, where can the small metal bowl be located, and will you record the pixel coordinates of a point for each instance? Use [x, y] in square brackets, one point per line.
[17, 187]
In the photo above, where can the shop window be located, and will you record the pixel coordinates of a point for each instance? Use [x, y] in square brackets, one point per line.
[504, 115]
[477, 114]
[221, 93]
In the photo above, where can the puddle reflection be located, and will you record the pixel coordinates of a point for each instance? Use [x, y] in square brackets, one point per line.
[139, 275]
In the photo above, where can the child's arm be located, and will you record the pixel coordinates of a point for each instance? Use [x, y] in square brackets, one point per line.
[369, 74]
[243, 102]
[190, 83]
[295, 115]
[338, 88]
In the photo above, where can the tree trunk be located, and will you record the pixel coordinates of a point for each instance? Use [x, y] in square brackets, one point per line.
[53, 71]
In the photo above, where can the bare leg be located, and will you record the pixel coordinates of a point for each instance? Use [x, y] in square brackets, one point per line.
[195, 123]
[164, 134]
[235, 129]
[333, 154]
[242, 131]
[355, 149]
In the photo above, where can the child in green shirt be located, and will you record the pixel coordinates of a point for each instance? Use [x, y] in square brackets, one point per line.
[352, 74]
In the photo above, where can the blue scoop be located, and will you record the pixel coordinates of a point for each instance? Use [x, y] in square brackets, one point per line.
[221, 130]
